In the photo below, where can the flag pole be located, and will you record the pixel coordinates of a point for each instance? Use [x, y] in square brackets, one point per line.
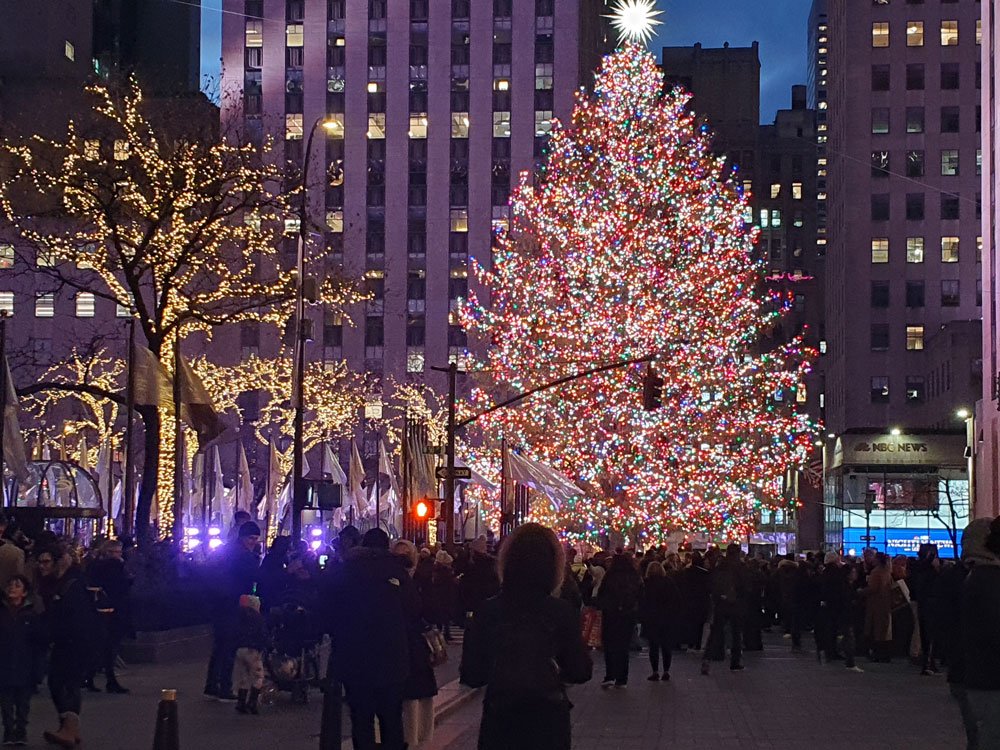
[178, 530]
[3, 402]
[405, 474]
[129, 500]
[109, 531]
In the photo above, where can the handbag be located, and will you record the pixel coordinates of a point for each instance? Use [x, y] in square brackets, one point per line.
[591, 626]
[437, 648]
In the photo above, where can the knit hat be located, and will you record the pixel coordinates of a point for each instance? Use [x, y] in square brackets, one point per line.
[443, 557]
[250, 601]
[974, 549]
[249, 528]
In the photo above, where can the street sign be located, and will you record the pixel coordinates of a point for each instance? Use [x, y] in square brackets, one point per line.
[459, 472]
[867, 538]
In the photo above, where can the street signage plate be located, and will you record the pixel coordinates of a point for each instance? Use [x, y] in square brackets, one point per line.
[867, 538]
[459, 472]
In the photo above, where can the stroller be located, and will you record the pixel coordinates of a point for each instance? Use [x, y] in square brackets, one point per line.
[295, 662]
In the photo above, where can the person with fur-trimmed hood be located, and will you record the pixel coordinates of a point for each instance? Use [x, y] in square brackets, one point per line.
[524, 645]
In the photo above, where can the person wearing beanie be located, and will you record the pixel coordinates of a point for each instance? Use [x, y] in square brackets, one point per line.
[251, 641]
[443, 558]
[442, 604]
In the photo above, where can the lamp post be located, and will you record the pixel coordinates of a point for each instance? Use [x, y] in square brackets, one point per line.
[299, 349]
[969, 417]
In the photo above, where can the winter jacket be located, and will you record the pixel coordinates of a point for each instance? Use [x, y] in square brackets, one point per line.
[22, 640]
[730, 588]
[71, 625]
[878, 606]
[251, 630]
[981, 627]
[109, 575]
[479, 581]
[660, 604]
[374, 601]
[523, 648]
[620, 590]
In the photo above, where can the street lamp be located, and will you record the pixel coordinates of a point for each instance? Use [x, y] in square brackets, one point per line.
[895, 432]
[299, 352]
[967, 416]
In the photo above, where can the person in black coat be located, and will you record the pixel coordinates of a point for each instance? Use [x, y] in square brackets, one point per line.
[658, 613]
[525, 645]
[479, 581]
[108, 574]
[70, 625]
[925, 572]
[696, 593]
[21, 640]
[618, 601]
[729, 596]
[374, 603]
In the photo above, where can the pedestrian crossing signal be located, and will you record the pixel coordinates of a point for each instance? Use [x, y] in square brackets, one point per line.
[421, 510]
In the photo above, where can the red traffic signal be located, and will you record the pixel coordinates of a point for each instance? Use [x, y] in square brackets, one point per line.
[652, 389]
[421, 510]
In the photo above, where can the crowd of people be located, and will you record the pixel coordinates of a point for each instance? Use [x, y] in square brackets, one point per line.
[531, 618]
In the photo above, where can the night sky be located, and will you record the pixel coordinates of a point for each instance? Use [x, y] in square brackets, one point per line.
[779, 26]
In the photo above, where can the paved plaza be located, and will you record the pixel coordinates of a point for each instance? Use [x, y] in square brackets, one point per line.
[782, 701]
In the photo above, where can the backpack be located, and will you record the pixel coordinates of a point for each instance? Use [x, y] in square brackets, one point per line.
[525, 668]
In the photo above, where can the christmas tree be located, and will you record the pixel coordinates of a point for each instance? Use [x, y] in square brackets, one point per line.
[632, 242]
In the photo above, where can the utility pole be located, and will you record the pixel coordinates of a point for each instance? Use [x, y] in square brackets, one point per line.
[3, 402]
[449, 480]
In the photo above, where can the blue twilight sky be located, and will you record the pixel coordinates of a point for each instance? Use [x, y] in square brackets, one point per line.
[779, 26]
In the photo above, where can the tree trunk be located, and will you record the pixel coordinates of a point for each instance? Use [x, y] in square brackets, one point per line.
[144, 533]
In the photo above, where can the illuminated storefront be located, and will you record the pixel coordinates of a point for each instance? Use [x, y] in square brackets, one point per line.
[894, 492]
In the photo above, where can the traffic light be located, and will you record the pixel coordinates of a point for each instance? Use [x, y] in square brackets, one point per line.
[422, 510]
[652, 389]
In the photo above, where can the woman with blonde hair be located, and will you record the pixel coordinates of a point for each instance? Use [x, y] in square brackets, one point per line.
[525, 645]
[659, 608]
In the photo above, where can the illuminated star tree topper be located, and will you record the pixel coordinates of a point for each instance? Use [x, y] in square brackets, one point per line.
[635, 20]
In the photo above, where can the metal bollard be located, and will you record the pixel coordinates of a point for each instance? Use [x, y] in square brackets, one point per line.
[167, 732]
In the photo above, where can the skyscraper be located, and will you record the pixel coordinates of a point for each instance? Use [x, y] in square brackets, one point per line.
[432, 110]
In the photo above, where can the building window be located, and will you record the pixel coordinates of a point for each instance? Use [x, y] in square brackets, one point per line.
[914, 77]
[914, 33]
[122, 312]
[501, 124]
[979, 31]
[914, 119]
[914, 163]
[949, 249]
[459, 124]
[335, 220]
[45, 305]
[6, 255]
[418, 125]
[880, 120]
[293, 127]
[950, 119]
[880, 207]
[880, 390]
[880, 250]
[950, 207]
[880, 77]
[294, 35]
[797, 191]
[254, 34]
[84, 305]
[914, 249]
[70, 51]
[7, 302]
[949, 33]
[880, 294]
[543, 122]
[775, 190]
[914, 206]
[880, 34]
[121, 150]
[950, 76]
[415, 360]
[914, 338]
[914, 294]
[879, 337]
[880, 163]
[334, 126]
[459, 220]
[914, 388]
[950, 296]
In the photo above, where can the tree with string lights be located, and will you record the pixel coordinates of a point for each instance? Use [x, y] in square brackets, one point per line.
[182, 231]
[631, 243]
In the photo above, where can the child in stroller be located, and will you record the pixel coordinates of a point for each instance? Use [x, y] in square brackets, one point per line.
[293, 660]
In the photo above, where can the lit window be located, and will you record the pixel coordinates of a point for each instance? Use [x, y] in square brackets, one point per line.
[418, 125]
[979, 31]
[979, 249]
[459, 220]
[880, 249]
[543, 76]
[6, 255]
[914, 338]
[45, 305]
[801, 394]
[415, 360]
[70, 51]
[914, 249]
[7, 302]
[84, 255]
[949, 162]
[335, 220]
[501, 124]
[91, 149]
[765, 218]
[501, 84]
[293, 127]
[949, 33]
[979, 161]
[775, 189]
[543, 122]
[797, 191]
[949, 249]
[84, 305]
[880, 34]
[459, 124]
[121, 150]
[121, 311]
[292, 226]
[376, 125]
[776, 217]
[294, 36]
[334, 125]
[914, 33]
[255, 33]
[44, 258]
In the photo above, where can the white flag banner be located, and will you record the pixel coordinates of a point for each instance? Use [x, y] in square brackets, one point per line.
[273, 485]
[198, 497]
[331, 466]
[220, 499]
[387, 472]
[557, 487]
[15, 456]
[244, 483]
[356, 481]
